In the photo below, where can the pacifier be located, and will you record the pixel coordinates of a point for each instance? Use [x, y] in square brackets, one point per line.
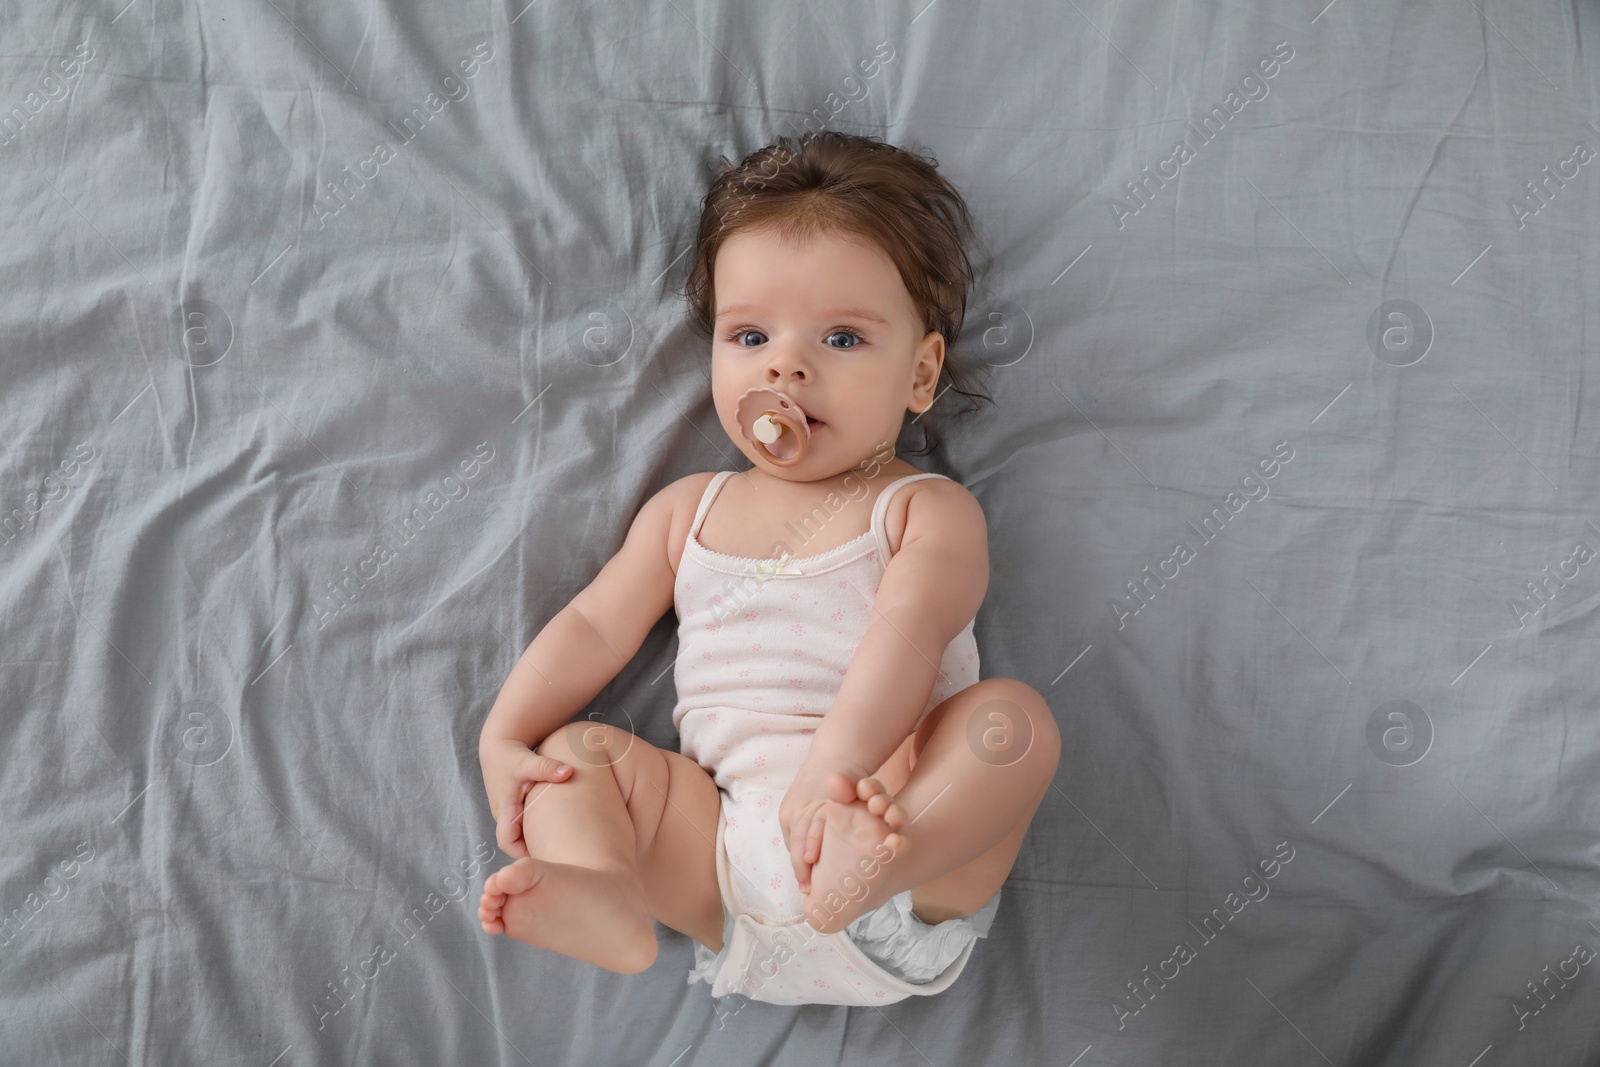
[774, 423]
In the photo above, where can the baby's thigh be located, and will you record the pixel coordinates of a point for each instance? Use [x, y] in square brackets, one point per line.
[673, 805]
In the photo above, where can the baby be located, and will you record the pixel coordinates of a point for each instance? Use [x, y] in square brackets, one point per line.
[850, 797]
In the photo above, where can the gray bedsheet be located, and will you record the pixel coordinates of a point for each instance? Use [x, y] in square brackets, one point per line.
[342, 343]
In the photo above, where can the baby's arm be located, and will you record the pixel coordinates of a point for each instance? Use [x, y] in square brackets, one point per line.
[580, 650]
[930, 590]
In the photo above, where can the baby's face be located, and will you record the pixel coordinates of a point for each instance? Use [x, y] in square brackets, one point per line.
[829, 322]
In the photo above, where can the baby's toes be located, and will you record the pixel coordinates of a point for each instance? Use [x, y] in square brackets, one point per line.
[869, 787]
[894, 815]
[887, 808]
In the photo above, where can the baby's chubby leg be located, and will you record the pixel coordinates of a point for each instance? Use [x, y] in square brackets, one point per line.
[627, 837]
[951, 832]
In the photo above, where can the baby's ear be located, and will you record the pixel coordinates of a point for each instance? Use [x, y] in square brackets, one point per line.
[927, 366]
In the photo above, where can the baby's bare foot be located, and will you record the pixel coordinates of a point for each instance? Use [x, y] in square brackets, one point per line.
[600, 917]
[862, 836]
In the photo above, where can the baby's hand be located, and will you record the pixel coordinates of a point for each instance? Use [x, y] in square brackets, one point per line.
[510, 769]
[803, 814]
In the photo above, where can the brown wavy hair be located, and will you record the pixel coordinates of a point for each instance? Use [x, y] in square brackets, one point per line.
[854, 186]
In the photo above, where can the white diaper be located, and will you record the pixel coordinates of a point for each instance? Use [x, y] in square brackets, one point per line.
[895, 939]
[771, 954]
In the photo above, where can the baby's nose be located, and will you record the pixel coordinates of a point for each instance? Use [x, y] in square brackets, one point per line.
[784, 365]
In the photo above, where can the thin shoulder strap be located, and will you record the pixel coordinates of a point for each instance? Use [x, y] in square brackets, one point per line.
[880, 510]
[712, 488]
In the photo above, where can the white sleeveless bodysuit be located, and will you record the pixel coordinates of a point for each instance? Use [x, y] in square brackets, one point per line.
[763, 646]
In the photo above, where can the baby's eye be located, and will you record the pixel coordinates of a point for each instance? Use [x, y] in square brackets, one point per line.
[855, 338]
[738, 336]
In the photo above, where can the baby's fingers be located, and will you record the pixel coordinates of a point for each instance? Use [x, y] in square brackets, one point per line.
[508, 832]
[533, 770]
[799, 841]
[537, 767]
[813, 852]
